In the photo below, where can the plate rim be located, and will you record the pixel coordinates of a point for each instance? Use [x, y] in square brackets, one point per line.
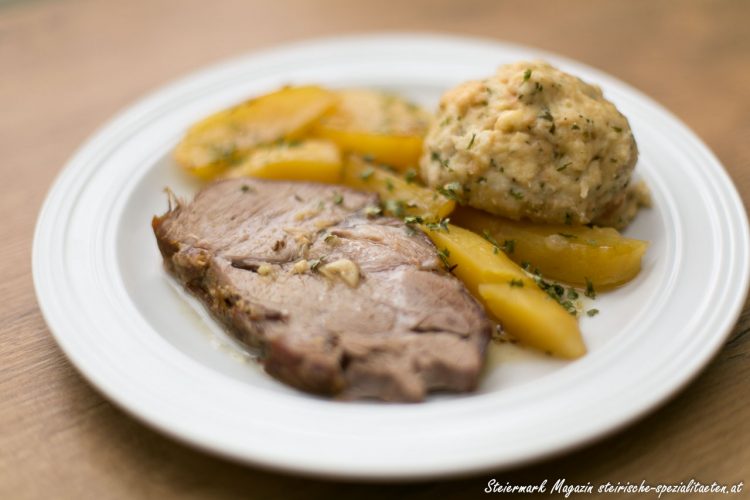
[154, 96]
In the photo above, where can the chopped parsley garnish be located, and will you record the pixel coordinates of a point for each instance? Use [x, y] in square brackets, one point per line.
[410, 175]
[413, 219]
[444, 254]
[245, 188]
[471, 142]
[568, 218]
[440, 226]
[575, 127]
[508, 246]
[552, 129]
[481, 179]
[590, 292]
[389, 184]
[570, 307]
[516, 193]
[516, 283]
[592, 312]
[617, 129]
[395, 207]
[450, 190]
[495, 165]
[546, 115]
[367, 173]
[526, 75]
[563, 167]
[435, 156]
[560, 294]
[338, 199]
[488, 236]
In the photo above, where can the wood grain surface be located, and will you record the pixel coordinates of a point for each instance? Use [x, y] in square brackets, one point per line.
[67, 66]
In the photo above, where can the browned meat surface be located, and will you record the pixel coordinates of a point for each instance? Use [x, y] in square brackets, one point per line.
[335, 302]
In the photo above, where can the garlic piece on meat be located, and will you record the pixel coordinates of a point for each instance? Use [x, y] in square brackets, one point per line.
[343, 269]
[306, 214]
[265, 269]
[300, 267]
[325, 223]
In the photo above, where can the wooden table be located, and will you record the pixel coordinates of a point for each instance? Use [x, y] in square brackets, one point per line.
[66, 66]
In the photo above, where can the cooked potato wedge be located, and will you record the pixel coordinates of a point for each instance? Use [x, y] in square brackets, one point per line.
[572, 254]
[476, 260]
[309, 160]
[222, 139]
[378, 125]
[534, 318]
[514, 299]
[400, 197]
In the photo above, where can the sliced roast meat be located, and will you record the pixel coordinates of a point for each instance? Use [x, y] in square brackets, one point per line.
[335, 299]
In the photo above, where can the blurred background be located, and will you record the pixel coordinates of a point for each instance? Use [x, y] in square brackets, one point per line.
[66, 66]
[91, 58]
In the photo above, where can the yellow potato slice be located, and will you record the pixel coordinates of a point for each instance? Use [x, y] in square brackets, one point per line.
[526, 312]
[223, 138]
[534, 318]
[476, 260]
[310, 160]
[577, 255]
[378, 125]
[400, 197]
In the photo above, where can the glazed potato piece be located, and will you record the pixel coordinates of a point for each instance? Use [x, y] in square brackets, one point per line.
[222, 139]
[401, 197]
[506, 291]
[476, 260]
[378, 125]
[310, 160]
[571, 254]
[550, 329]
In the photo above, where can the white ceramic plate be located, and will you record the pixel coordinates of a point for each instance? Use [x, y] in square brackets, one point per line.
[100, 285]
